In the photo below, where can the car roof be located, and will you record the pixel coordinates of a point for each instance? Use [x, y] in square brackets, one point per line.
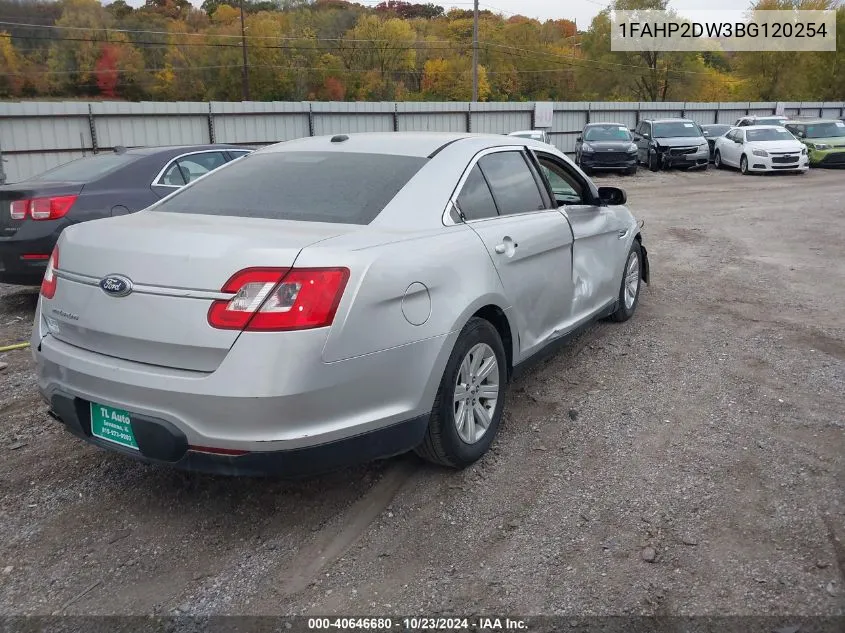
[762, 127]
[669, 120]
[818, 120]
[419, 144]
[596, 123]
[717, 125]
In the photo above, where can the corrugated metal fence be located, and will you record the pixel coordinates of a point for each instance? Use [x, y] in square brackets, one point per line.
[35, 136]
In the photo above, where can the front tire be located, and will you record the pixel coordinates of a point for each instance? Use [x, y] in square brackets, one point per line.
[629, 291]
[469, 403]
[743, 165]
[631, 170]
[653, 165]
[717, 160]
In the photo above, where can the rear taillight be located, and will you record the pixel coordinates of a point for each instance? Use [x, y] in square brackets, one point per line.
[42, 208]
[48, 285]
[19, 209]
[275, 299]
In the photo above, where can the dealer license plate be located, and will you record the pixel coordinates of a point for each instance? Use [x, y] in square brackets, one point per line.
[112, 425]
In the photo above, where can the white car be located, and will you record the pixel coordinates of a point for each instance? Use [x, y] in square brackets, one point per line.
[761, 148]
[537, 135]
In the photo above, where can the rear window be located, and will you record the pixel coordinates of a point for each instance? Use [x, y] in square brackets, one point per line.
[342, 187]
[86, 169]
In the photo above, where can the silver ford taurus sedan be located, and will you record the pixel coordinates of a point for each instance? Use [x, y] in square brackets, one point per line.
[330, 300]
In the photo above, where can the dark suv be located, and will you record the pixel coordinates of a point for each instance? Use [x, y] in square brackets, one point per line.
[663, 143]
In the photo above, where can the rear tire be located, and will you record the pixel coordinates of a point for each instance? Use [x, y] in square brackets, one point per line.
[457, 435]
[629, 290]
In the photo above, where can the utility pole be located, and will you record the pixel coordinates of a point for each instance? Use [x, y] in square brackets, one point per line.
[245, 73]
[475, 53]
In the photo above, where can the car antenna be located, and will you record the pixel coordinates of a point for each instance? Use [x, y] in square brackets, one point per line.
[340, 138]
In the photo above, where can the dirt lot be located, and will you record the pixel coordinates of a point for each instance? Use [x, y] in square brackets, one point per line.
[689, 461]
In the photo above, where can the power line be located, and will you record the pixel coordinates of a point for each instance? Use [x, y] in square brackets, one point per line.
[171, 33]
[410, 46]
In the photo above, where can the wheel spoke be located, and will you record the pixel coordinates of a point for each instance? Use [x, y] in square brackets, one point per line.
[477, 355]
[486, 369]
[481, 416]
[488, 392]
[469, 424]
[465, 372]
[460, 417]
[461, 393]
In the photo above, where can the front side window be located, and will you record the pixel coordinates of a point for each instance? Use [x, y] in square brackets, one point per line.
[341, 187]
[512, 182]
[565, 186]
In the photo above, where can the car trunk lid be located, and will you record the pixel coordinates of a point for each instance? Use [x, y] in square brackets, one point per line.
[176, 265]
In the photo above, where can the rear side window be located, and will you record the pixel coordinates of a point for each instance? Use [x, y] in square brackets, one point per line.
[86, 169]
[342, 187]
[476, 201]
[512, 182]
[191, 167]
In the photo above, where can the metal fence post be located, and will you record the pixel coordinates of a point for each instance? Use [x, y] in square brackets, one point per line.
[469, 119]
[210, 125]
[310, 119]
[94, 145]
[2, 171]
[395, 117]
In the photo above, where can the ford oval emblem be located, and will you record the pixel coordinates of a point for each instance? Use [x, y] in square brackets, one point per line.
[116, 285]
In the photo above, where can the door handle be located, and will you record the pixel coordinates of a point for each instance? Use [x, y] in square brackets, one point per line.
[507, 247]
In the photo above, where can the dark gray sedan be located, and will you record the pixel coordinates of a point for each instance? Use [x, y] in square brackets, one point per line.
[35, 211]
[712, 132]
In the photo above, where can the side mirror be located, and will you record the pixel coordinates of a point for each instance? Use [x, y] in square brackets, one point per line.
[612, 196]
[646, 135]
[738, 141]
[705, 133]
[579, 139]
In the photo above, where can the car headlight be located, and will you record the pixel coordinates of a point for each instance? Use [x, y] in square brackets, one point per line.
[587, 148]
[820, 146]
[760, 152]
[704, 148]
[632, 148]
[803, 151]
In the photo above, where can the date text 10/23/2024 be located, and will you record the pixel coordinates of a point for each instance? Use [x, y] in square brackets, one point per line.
[418, 624]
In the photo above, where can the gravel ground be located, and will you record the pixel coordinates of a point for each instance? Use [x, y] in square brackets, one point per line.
[688, 462]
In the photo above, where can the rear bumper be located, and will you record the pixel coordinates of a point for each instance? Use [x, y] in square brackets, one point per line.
[16, 268]
[276, 407]
[160, 442]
